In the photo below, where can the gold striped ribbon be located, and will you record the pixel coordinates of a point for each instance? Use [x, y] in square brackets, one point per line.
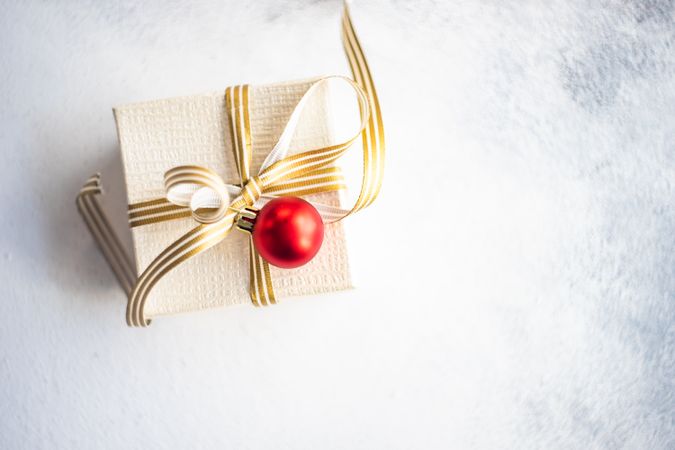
[200, 193]
[237, 101]
[100, 228]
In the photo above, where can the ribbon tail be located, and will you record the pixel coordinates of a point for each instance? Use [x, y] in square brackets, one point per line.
[373, 134]
[194, 242]
[99, 226]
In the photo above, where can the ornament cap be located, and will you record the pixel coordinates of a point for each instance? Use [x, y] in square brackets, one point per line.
[246, 219]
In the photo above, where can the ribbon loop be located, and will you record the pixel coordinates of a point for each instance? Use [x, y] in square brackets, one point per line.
[198, 188]
[208, 205]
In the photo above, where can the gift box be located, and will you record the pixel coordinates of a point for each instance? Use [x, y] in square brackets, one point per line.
[157, 135]
[198, 168]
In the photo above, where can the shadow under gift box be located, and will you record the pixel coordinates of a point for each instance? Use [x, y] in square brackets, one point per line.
[157, 135]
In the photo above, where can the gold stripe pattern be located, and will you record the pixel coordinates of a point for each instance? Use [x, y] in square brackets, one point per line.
[236, 102]
[373, 135]
[100, 228]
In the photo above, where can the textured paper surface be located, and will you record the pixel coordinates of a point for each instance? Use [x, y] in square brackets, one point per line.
[157, 135]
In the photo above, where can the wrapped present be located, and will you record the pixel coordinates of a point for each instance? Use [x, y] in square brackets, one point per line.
[158, 135]
[201, 169]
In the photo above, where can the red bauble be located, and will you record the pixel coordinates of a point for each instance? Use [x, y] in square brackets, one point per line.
[288, 232]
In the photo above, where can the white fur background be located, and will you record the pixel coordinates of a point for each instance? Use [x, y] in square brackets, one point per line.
[516, 278]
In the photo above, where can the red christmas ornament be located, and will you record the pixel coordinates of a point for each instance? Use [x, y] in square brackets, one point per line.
[288, 232]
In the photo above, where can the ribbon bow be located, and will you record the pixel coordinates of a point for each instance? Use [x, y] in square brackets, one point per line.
[202, 194]
[211, 200]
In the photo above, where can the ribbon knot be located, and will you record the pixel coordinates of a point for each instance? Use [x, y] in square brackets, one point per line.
[252, 191]
[207, 196]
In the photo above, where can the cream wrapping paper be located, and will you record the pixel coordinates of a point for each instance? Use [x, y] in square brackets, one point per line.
[158, 135]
